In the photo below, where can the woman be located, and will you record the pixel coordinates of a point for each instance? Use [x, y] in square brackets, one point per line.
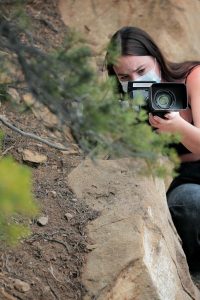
[140, 59]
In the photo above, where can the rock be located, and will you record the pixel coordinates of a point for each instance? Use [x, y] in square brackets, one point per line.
[68, 216]
[91, 247]
[14, 95]
[28, 99]
[42, 221]
[170, 27]
[21, 286]
[137, 253]
[74, 200]
[5, 296]
[53, 193]
[40, 111]
[68, 134]
[71, 152]
[33, 157]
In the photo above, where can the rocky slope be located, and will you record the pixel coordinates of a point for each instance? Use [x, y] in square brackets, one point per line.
[173, 25]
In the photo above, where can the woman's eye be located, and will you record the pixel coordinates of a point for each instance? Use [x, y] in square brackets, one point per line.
[141, 72]
[123, 78]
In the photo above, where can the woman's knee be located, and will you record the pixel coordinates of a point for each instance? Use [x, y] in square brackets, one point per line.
[184, 206]
[187, 195]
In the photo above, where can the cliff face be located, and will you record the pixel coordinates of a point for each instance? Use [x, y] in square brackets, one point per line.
[134, 251]
[173, 25]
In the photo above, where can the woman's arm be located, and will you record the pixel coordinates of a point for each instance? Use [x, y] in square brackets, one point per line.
[190, 134]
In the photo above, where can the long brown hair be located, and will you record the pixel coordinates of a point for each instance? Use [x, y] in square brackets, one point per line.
[135, 41]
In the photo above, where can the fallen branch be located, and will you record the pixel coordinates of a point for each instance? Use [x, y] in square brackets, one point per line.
[52, 273]
[59, 242]
[47, 24]
[7, 150]
[30, 135]
[52, 290]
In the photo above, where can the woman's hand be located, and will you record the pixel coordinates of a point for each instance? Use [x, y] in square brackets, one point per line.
[170, 123]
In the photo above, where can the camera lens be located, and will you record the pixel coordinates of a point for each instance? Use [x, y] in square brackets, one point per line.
[164, 99]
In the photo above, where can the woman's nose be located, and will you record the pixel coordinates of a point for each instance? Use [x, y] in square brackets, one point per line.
[133, 76]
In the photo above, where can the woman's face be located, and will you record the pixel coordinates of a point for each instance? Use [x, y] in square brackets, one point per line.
[130, 68]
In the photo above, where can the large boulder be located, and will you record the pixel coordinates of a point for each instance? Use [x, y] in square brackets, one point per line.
[173, 24]
[134, 250]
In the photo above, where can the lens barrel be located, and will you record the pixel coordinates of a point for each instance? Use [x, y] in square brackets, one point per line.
[164, 99]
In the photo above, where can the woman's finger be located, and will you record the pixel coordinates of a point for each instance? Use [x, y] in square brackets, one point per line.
[171, 115]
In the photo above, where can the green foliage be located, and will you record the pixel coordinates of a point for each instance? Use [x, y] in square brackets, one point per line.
[4, 96]
[65, 81]
[1, 138]
[16, 201]
[122, 131]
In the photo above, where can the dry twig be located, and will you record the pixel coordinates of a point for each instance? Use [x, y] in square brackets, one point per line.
[30, 135]
[52, 273]
[7, 150]
[59, 242]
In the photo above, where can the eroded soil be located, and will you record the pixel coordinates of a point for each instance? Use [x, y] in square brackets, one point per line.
[51, 259]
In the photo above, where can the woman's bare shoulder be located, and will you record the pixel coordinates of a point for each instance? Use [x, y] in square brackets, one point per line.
[194, 75]
[193, 87]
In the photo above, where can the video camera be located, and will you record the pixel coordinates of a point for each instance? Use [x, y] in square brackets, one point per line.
[159, 98]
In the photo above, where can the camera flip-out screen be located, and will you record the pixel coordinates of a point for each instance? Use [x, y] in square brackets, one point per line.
[159, 98]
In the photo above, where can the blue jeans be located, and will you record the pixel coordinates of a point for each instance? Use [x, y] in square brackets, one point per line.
[184, 206]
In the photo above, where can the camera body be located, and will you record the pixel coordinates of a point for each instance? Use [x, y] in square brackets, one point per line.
[159, 98]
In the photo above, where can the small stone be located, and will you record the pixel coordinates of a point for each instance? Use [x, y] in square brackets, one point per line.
[74, 200]
[54, 167]
[53, 193]
[71, 152]
[14, 95]
[28, 99]
[91, 247]
[68, 216]
[21, 286]
[33, 157]
[42, 221]
[68, 134]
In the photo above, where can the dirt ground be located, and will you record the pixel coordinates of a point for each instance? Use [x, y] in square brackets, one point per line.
[51, 259]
